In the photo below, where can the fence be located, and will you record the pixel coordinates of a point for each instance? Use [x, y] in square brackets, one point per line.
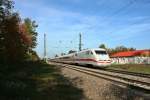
[131, 60]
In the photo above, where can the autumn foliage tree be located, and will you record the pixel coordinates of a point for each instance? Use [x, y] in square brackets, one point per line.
[17, 37]
[31, 30]
[11, 47]
[13, 42]
[31, 34]
[25, 36]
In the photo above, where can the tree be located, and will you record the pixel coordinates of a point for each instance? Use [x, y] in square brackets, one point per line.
[31, 30]
[11, 48]
[5, 8]
[14, 47]
[34, 56]
[26, 37]
[119, 49]
[102, 46]
[5, 12]
[16, 38]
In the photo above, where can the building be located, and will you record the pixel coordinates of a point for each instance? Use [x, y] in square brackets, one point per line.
[131, 57]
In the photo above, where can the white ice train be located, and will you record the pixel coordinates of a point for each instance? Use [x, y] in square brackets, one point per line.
[95, 57]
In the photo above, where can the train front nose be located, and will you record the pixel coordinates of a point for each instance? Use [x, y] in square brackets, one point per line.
[104, 63]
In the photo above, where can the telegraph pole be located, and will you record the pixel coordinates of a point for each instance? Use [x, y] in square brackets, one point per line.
[44, 46]
[80, 42]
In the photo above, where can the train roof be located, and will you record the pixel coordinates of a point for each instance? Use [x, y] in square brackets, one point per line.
[67, 55]
[93, 49]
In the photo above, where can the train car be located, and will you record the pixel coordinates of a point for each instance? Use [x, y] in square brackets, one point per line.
[69, 58]
[95, 57]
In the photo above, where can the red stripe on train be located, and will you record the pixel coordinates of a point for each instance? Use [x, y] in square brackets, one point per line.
[101, 61]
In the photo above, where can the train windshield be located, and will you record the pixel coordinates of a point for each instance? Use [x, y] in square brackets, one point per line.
[100, 52]
[102, 55]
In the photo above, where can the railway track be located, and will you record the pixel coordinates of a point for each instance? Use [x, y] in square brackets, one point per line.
[129, 73]
[128, 79]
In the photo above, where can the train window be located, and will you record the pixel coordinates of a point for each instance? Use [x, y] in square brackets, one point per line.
[91, 52]
[87, 52]
[100, 52]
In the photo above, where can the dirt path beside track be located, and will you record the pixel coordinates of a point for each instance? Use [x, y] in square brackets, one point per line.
[99, 89]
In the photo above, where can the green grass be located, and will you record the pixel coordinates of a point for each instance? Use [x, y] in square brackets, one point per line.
[141, 68]
[35, 81]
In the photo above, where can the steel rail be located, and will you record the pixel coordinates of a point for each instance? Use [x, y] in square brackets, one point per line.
[128, 73]
[112, 77]
[120, 71]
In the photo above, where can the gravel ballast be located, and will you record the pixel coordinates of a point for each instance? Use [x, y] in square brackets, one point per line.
[99, 89]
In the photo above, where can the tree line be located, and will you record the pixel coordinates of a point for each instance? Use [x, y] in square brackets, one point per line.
[17, 36]
[116, 49]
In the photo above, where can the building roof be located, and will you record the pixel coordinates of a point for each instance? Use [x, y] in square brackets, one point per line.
[130, 53]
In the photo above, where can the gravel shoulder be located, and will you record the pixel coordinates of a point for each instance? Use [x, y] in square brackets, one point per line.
[99, 89]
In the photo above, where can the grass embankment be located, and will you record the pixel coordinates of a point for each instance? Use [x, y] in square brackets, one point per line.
[35, 81]
[140, 68]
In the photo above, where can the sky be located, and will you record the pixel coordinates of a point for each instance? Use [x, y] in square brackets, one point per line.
[112, 22]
